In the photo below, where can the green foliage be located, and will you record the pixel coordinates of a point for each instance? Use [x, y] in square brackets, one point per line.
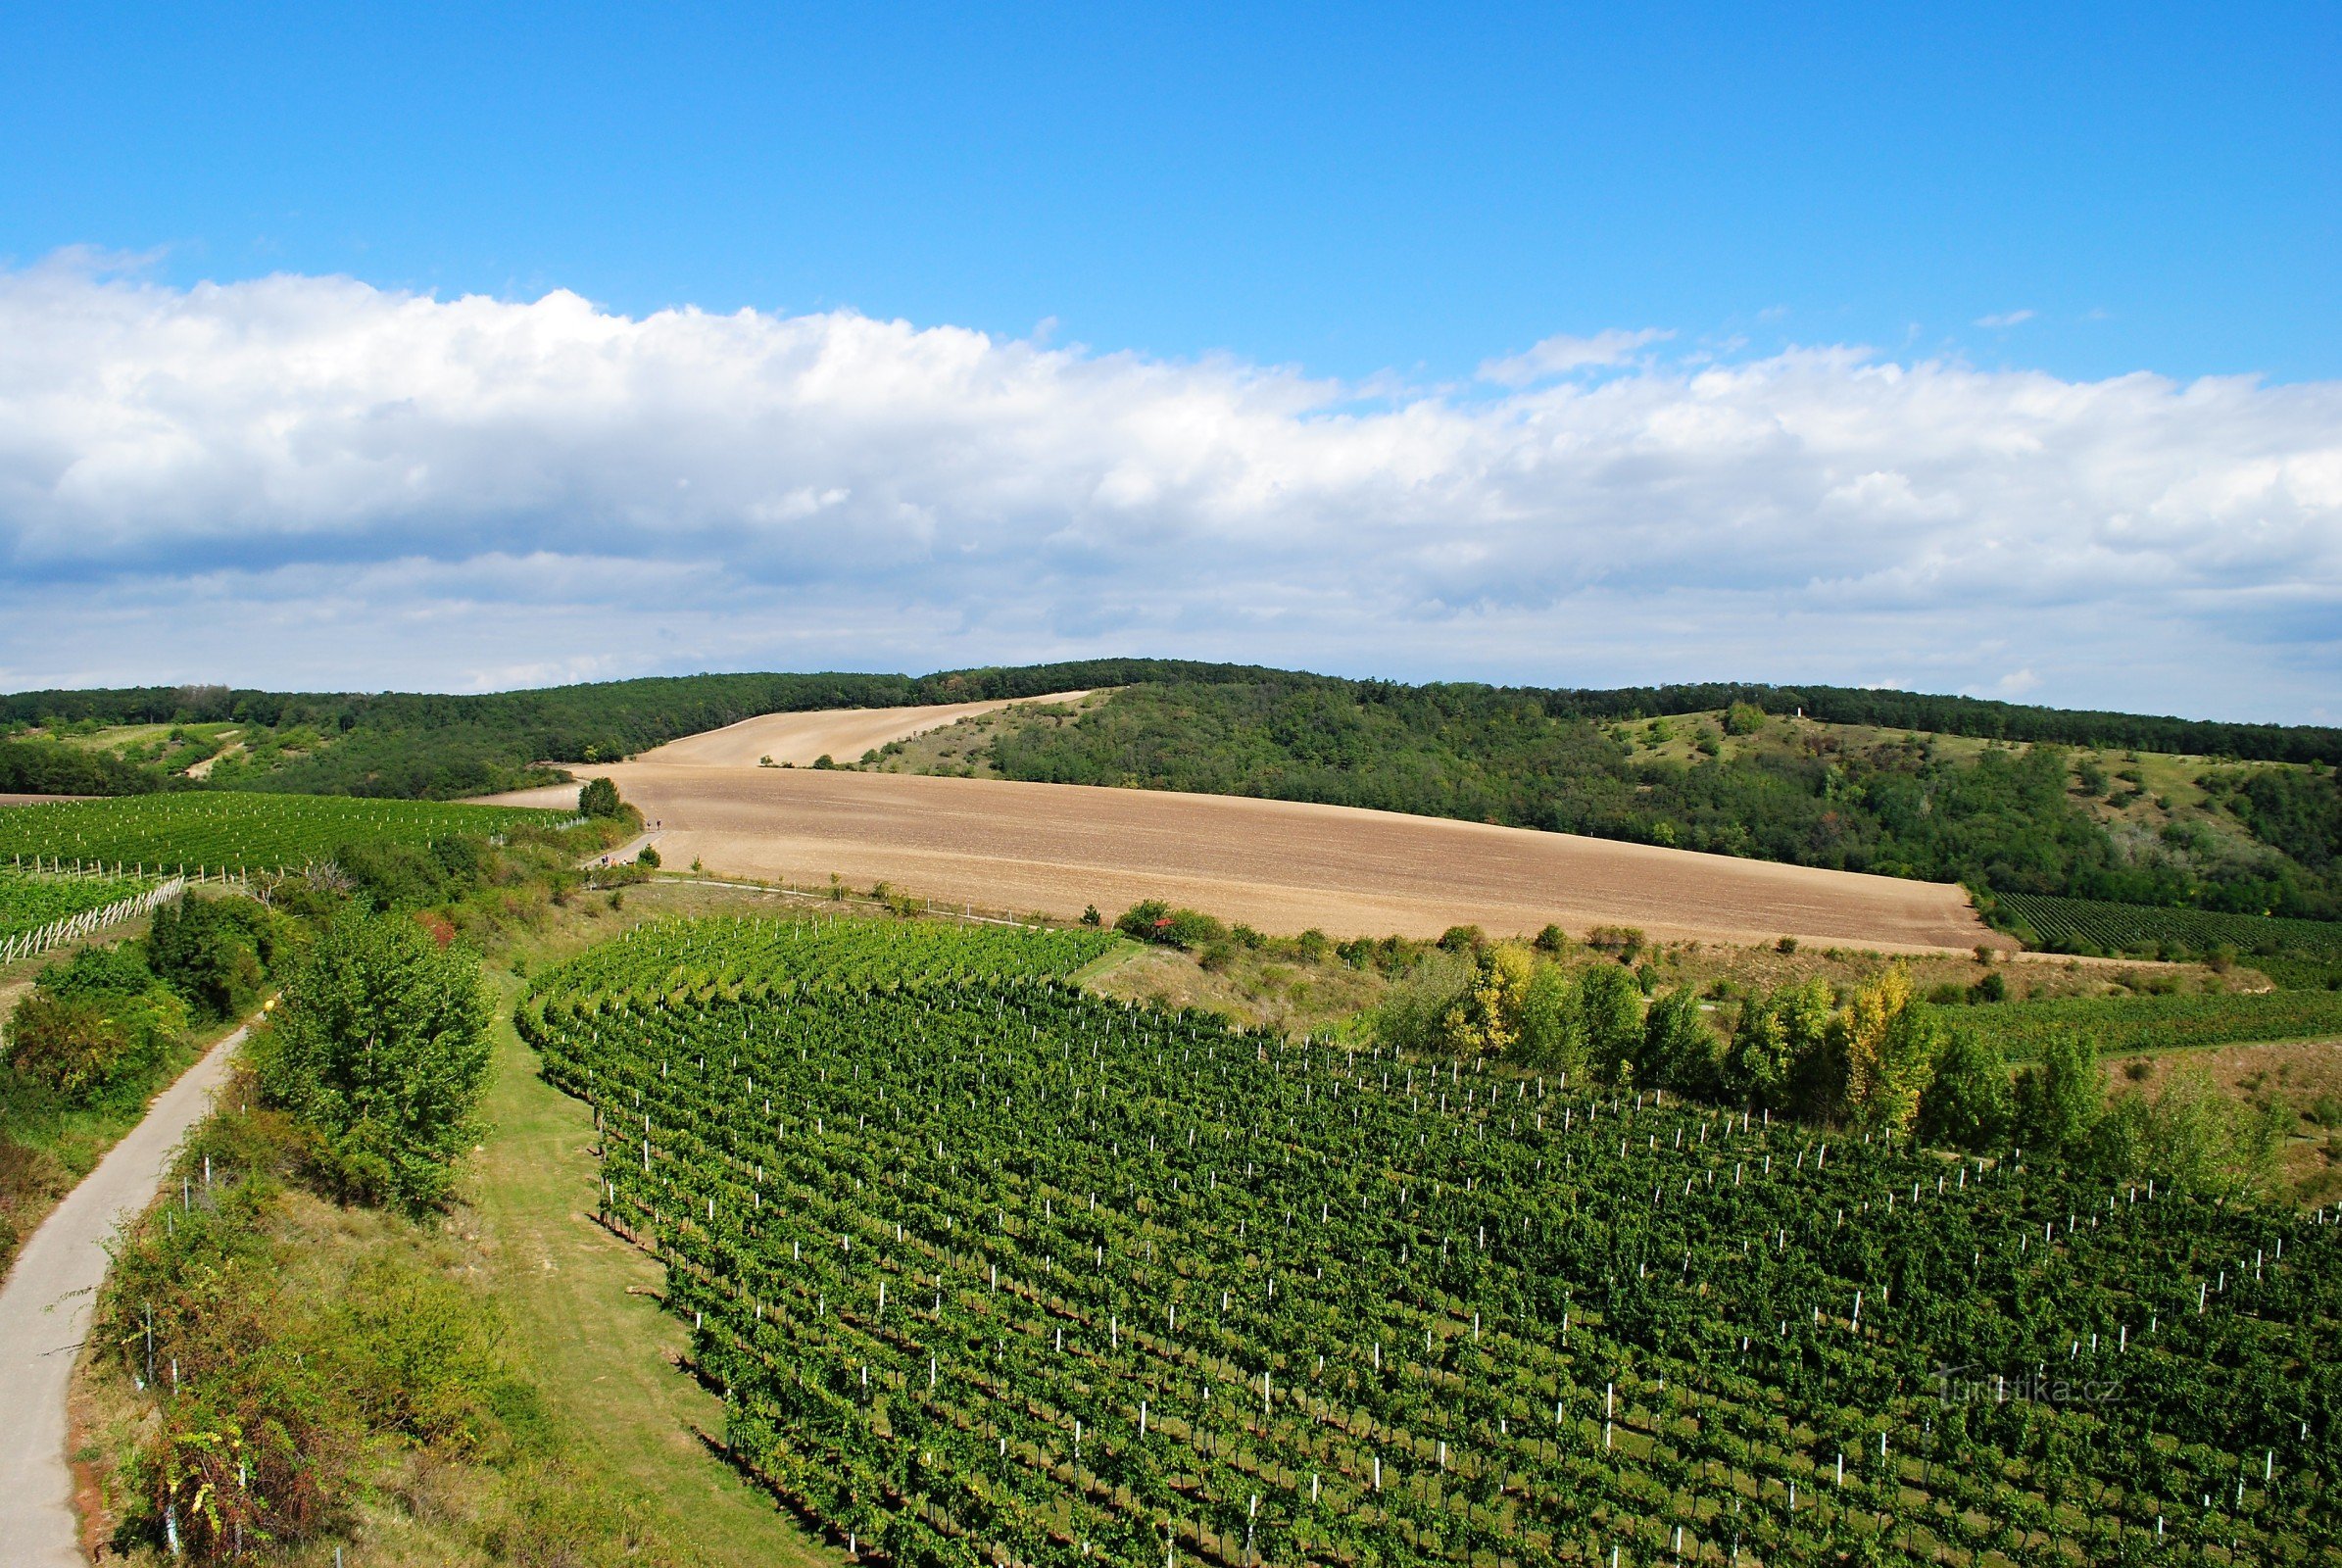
[381, 1044]
[2004, 819]
[242, 832]
[28, 902]
[2123, 1025]
[39, 766]
[213, 951]
[1153, 920]
[1610, 1013]
[1967, 1103]
[298, 1361]
[981, 1211]
[2097, 927]
[1412, 1015]
[2058, 1100]
[1743, 719]
[77, 1044]
[648, 857]
[1678, 1050]
[600, 797]
[2298, 813]
[1778, 1039]
[1551, 1029]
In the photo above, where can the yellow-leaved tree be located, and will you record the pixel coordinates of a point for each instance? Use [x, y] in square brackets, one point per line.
[1888, 1038]
[1485, 1020]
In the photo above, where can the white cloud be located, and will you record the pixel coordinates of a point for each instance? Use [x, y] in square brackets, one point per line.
[1560, 355]
[309, 482]
[2006, 318]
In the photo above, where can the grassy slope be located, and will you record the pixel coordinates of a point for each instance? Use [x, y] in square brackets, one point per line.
[602, 1356]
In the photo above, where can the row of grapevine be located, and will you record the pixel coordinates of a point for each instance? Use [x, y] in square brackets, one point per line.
[38, 913]
[194, 830]
[29, 901]
[2097, 925]
[2121, 1025]
[982, 1264]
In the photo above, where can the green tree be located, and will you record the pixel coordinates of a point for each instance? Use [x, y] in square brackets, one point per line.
[1743, 719]
[1552, 1031]
[1679, 1049]
[1412, 1011]
[1965, 1104]
[600, 797]
[2059, 1101]
[382, 1045]
[1775, 1039]
[211, 952]
[1610, 1010]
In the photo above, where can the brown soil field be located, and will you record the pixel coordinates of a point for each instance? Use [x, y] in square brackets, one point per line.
[1277, 866]
[843, 734]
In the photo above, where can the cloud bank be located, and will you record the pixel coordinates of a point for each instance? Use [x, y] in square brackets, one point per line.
[311, 481]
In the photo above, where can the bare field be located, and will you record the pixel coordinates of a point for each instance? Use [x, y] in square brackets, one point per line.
[1277, 866]
[843, 734]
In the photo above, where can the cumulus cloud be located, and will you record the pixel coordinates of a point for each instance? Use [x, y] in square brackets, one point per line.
[308, 480]
[1562, 354]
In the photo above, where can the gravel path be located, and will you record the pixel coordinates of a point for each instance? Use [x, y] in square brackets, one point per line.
[44, 1311]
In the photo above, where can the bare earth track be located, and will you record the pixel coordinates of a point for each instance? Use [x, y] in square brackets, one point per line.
[1277, 866]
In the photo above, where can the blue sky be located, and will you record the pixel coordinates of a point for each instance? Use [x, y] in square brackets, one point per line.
[1348, 189]
[1988, 348]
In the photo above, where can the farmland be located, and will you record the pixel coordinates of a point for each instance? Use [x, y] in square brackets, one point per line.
[2120, 1025]
[236, 832]
[1280, 865]
[2093, 925]
[979, 1261]
[27, 902]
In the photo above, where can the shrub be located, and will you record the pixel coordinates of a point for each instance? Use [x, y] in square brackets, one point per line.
[649, 857]
[1463, 938]
[1743, 719]
[381, 1045]
[1153, 920]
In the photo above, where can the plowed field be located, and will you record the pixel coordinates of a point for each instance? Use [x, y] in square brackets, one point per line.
[1277, 866]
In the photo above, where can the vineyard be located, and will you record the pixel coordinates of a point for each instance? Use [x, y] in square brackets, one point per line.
[27, 902]
[2093, 925]
[2121, 1025]
[236, 832]
[990, 1269]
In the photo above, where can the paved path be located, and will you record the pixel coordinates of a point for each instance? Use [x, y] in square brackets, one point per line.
[624, 853]
[44, 1311]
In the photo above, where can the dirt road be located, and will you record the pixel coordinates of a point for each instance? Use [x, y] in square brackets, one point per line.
[45, 1309]
[1279, 865]
[843, 734]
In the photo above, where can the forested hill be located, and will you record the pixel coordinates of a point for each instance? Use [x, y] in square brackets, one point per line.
[419, 746]
[1885, 781]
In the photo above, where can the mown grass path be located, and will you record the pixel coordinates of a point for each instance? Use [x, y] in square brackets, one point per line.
[603, 1356]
